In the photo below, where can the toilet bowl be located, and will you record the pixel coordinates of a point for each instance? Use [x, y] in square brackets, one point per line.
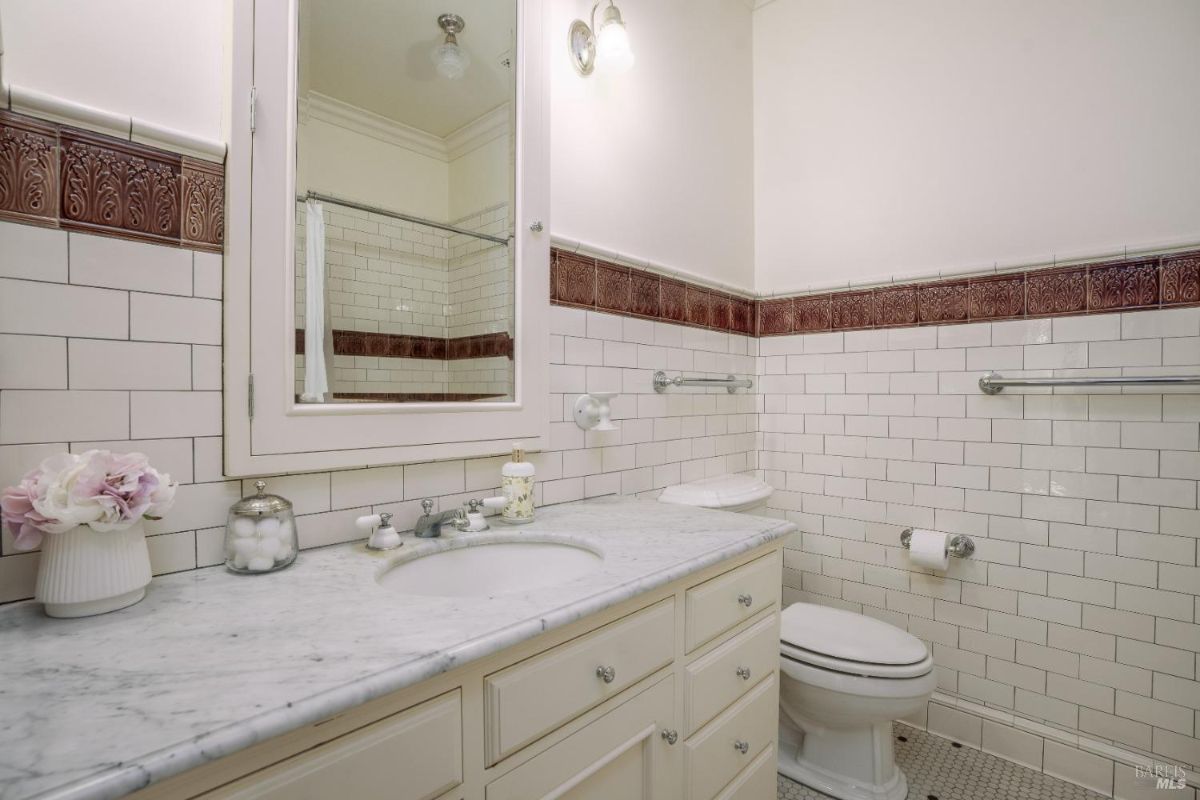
[843, 678]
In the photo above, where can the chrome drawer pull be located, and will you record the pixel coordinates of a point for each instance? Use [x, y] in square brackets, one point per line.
[745, 600]
[607, 674]
[743, 673]
[741, 746]
[670, 736]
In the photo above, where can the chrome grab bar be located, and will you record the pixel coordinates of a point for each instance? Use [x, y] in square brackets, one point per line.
[729, 382]
[992, 383]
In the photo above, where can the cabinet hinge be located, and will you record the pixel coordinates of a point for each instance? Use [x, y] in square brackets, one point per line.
[250, 396]
[253, 103]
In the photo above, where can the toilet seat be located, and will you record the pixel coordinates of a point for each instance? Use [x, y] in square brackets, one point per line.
[853, 644]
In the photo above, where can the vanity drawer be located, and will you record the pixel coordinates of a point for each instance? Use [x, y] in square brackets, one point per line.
[413, 755]
[717, 679]
[713, 756]
[756, 781]
[717, 605]
[528, 700]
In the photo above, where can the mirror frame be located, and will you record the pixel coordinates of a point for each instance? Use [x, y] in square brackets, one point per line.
[266, 431]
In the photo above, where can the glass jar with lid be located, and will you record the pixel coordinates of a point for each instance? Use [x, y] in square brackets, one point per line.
[260, 533]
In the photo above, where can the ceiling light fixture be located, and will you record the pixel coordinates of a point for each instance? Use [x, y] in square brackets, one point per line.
[608, 43]
[450, 59]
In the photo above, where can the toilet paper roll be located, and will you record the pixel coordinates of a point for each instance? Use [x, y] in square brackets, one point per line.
[928, 549]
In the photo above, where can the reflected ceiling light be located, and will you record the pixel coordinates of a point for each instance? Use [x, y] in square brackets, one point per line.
[450, 59]
[607, 43]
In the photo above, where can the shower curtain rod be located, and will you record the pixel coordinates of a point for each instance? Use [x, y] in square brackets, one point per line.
[325, 198]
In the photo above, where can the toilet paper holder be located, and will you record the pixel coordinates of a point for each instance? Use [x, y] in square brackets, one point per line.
[959, 546]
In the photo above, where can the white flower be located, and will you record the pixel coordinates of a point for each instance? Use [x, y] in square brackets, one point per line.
[67, 492]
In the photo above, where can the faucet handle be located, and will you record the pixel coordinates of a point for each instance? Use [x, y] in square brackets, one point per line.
[427, 506]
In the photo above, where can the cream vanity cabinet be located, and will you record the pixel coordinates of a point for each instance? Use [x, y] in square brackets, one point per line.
[388, 235]
[669, 695]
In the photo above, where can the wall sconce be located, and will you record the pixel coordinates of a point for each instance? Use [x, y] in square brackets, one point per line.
[593, 412]
[609, 42]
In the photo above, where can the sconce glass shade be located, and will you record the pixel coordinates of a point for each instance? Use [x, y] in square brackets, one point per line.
[450, 60]
[613, 52]
[606, 43]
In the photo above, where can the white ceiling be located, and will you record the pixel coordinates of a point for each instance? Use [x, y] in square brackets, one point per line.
[375, 54]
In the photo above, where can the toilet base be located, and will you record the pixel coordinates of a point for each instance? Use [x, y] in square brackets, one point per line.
[814, 777]
[854, 763]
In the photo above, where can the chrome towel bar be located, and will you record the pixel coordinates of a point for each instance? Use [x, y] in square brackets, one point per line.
[730, 382]
[993, 383]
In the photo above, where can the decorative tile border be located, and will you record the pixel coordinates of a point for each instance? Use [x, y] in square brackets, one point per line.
[59, 176]
[1101, 287]
[391, 345]
[584, 282]
[409, 397]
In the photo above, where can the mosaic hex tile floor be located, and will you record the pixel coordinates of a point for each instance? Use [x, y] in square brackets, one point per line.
[938, 770]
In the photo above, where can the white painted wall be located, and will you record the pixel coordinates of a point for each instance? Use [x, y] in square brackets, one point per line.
[657, 163]
[948, 134]
[160, 60]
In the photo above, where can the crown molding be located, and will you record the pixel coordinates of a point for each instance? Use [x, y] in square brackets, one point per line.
[474, 134]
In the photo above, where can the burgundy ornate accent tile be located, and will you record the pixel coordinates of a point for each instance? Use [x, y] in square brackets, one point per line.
[1181, 279]
[942, 302]
[612, 288]
[999, 297]
[203, 214]
[699, 304]
[392, 345]
[112, 184]
[553, 275]
[813, 313]
[896, 306]
[718, 311]
[1056, 291]
[673, 300]
[775, 316]
[28, 170]
[576, 280]
[1132, 284]
[741, 315]
[851, 310]
[643, 294]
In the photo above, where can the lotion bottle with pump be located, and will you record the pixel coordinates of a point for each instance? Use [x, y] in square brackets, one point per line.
[516, 481]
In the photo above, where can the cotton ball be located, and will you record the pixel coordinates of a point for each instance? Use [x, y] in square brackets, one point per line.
[285, 553]
[244, 547]
[268, 526]
[240, 561]
[286, 530]
[260, 564]
[268, 547]
[242, 526]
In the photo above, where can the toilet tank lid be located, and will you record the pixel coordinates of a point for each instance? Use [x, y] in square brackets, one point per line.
[848, 636]
[721, 491]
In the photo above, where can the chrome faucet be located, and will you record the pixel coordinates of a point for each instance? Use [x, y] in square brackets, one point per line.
[430, 525]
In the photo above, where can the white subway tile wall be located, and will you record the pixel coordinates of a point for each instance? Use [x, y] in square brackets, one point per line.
[76, 374]
[1081, 607]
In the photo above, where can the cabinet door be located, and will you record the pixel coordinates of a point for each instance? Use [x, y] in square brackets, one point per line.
[621, 755]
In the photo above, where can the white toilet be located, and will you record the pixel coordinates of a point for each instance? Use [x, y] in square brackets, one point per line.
[843, 677]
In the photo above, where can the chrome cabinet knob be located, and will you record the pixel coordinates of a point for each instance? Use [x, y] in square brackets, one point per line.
[536, 226]
[743, 673]
[741, 746]
[745, 600]
[670, 736]
[606, 674]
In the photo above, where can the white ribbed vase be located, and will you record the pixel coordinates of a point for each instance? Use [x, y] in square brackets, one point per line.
[83, 572]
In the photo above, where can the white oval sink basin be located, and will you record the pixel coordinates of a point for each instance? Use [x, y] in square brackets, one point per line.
[483, 569]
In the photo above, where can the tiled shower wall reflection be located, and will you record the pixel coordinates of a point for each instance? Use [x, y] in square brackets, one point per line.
[112, 343]
[1081, 607]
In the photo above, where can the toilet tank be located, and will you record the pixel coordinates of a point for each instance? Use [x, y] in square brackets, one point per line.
[743, 493]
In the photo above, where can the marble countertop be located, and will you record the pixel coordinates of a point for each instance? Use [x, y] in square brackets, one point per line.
[212, 662]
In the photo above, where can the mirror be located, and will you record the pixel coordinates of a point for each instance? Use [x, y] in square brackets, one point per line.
[405, 173]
